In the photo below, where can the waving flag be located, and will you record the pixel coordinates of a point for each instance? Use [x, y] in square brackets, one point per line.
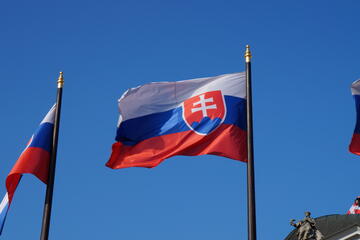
[34, 160]
[355, 208]
[191, 117]
[355, 141]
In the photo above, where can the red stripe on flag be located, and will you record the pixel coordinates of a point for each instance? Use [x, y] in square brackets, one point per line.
[355, 144]
[227, 141]
[34, 161]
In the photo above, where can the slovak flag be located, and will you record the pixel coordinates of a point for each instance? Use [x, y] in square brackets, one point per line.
[355, 208]
[355, 141]
[192, 117]
[34, 160]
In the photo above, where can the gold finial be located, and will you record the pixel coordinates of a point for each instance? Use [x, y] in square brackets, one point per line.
[247, 54]
[60, 81]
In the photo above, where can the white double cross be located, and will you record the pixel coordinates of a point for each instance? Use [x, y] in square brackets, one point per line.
[203, 108]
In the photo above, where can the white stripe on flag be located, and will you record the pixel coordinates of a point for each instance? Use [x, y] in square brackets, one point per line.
[163, 96]
[355, 87]
[50, 116]
[4, 203]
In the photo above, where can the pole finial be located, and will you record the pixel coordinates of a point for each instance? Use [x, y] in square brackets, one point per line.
[247, 54]
[60, 81]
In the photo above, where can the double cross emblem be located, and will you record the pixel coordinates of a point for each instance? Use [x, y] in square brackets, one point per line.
[205, 112]
[203, 107]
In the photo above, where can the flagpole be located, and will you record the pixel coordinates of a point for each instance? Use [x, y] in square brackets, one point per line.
[52, 164]
[250, 150]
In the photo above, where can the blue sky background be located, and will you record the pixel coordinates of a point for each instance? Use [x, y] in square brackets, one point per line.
[306, 54]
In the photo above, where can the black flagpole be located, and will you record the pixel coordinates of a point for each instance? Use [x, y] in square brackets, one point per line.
[52, 164]
[250, 150]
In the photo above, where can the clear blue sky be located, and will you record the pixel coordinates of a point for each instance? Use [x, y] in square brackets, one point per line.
[306, 54]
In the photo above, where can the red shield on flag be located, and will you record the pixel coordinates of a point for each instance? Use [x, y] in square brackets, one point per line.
[205, 112]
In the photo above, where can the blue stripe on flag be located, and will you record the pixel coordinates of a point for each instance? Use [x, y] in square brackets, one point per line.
[135, 130]
[43, 136]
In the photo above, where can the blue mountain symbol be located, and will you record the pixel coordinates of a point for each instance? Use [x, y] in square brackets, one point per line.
[206, 125]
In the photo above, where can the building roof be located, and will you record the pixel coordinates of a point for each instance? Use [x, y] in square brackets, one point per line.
[332, 225]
